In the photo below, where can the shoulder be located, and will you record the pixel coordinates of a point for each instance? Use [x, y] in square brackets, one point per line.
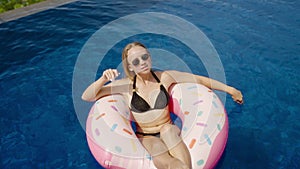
[163, 75]
[173, 77]
[170, 74]
[166, 77]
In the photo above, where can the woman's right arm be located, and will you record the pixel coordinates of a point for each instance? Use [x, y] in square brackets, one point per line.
[97, 88]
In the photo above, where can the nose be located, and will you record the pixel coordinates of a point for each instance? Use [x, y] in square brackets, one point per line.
[143, 62]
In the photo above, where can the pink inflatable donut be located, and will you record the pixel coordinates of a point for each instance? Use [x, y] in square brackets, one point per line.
[113, 143]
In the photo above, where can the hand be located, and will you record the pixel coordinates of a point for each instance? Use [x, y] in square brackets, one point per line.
[110, 74]
[237, 96]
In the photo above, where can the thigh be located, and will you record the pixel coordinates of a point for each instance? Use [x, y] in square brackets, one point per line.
[170, 134]
[154, 145]
[160, 154]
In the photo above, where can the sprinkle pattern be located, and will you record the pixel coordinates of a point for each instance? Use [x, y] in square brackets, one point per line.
[192, 143]
[118, 149]
[127, 131]
[192, 87]
[200, 162]
[133, 145]
[215, 104]
[219, 127]
[101, 115]
[186, 113]
[219, 114]
[197, 102]
[201, 124]
[208, 140]
[97, 132]
[114, 126]
[114, 107]
[112, 100]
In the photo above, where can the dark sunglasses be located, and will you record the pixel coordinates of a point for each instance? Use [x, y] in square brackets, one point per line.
[136, 61]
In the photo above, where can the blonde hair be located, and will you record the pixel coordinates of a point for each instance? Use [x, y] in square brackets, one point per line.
[129, 74]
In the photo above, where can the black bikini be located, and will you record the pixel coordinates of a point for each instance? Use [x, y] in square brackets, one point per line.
[148, 134]
[139, 105]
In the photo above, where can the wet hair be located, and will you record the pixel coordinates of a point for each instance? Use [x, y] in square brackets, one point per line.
[129, 74]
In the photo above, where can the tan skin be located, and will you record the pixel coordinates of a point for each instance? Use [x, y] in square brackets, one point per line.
[168, 151]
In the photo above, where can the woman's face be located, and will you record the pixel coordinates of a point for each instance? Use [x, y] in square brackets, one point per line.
[139, 60]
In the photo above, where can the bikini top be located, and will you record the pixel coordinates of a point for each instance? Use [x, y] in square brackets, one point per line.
[139, 105]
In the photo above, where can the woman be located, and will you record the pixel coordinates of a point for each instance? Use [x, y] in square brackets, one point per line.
[147, 93]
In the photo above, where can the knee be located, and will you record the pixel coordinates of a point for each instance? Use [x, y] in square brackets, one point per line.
[170, 130]
[154, 146]
[170, 134]
[158, 147]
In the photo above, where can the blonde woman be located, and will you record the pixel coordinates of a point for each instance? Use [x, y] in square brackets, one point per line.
[147, 96]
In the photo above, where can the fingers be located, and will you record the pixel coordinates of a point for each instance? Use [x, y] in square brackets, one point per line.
[111, 74]
[238, 99]
[237, 96]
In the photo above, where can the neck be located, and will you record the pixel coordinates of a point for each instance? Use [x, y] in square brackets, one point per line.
[144, 78]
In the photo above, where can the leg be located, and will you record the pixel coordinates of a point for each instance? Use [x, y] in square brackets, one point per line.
[170, 134]
[160, 154]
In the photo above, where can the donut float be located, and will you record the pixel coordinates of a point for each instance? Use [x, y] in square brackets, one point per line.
[200, 113]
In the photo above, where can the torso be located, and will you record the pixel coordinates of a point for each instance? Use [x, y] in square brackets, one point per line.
[150, 121]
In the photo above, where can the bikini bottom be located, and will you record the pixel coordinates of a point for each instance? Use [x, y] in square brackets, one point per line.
[148, 134]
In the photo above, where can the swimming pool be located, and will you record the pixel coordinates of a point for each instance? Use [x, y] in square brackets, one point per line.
[257, 41]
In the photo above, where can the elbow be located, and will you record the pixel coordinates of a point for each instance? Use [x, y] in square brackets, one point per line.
[202, 80]
[206, 81]
[85, 98]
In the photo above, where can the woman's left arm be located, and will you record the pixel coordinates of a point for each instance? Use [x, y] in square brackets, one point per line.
[183, 77]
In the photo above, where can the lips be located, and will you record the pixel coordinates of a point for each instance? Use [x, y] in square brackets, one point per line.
[144, 67]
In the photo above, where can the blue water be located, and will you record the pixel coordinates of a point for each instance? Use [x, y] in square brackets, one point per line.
[258, 43]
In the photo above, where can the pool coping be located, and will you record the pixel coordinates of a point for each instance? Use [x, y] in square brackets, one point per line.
[31, 9]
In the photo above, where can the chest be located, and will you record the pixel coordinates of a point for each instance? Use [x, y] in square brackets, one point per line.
[149, 93]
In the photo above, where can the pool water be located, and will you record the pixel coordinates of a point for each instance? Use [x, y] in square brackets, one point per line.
[257, 42]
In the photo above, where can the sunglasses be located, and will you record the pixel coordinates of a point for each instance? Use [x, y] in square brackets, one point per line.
[136, 61]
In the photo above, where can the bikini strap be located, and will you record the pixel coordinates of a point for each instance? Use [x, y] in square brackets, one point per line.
[134, 80]
[156, 78]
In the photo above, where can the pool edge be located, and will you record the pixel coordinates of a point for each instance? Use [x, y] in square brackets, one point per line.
[31, 9]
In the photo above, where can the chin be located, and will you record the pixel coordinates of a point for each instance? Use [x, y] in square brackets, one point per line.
[145, 70]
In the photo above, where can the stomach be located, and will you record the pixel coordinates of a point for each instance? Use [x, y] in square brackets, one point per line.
[152, 120]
